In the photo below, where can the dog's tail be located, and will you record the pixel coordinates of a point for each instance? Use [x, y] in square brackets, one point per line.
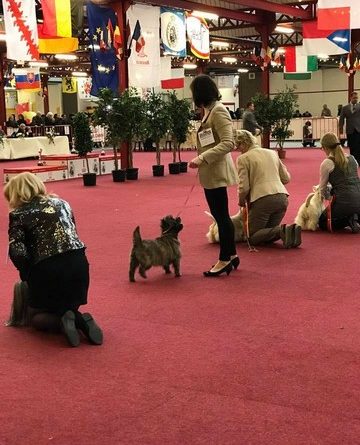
[209, 214]
[137, 241]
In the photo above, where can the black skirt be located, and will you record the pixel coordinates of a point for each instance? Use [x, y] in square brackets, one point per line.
[59, 283]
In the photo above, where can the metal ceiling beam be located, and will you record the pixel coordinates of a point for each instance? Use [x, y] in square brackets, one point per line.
[280, 8]
[221, 12]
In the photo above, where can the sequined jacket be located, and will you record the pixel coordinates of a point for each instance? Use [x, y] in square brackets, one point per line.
[40, 229]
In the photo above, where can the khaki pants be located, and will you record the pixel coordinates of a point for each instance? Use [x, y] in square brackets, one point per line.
[265, 216]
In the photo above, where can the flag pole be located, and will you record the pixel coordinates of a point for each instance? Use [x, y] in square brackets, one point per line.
[2, 92]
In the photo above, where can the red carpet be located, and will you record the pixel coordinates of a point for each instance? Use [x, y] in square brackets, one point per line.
[269, 355]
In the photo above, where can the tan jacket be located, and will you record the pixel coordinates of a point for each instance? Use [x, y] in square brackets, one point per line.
[261, 173]
[218, 169]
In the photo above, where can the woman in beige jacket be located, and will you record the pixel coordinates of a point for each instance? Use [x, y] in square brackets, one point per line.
[216, 168]
[261, 184]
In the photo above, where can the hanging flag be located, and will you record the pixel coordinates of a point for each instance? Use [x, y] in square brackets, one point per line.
[69, 85]
[173, 31]
[171, 78]
[356, 65]
[348, 63]
[84, 87]
[277, 56]
[57, 17]
[268, 56]
[338, 14]
[21, 30]
[341, 64]
[27, 79]
[297, 62]
[144, 46]
[118, 43]
[56, 45]
[104, 70]
[102, 22]
[317, 41]
[297, 76]
[198, 35]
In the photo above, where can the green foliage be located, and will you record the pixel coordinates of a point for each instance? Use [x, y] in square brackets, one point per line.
[106, 115]
[275, 114]
[156, 119]
[122, 116]
[82, 136]
[180, 115]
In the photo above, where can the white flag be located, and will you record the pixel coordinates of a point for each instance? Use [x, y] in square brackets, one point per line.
[21, 30]
[144, 60]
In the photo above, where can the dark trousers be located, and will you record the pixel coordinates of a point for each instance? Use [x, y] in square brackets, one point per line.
[217, 200]
[354, 145]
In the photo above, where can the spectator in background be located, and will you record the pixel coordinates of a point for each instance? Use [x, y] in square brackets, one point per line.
[339, 110]
[307, 114]
[11, 122]
[307, 135]
[232, 114]
[65, 119]
[49, 119]
[37, 120]
[58, 120]
[325, 112]
[297, 114]
[351, 113]
[238, 113]
[21, 120]
[249, 121]
[22, 132]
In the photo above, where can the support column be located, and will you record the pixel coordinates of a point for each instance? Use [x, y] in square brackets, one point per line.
[45, 91]
[265, 29]
[120, 8]
[2, 93]
[355, 39]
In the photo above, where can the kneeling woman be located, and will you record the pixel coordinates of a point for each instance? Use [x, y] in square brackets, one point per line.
[44, 246]
[341, 171]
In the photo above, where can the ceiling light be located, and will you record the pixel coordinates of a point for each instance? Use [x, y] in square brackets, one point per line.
[40, 63]
[284, 29]
[221, 44]
[79, 74]
[243, 70]
[205, 15]
[65, 56]
[229, 59]
[189, 66]
[94, 47]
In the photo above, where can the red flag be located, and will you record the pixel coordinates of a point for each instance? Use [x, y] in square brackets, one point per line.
[110, 34]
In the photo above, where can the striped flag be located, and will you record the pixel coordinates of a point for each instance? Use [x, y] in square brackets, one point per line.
[27, 79]
[62, 18]
[21, 30]
[317, 41]
[338, 14]
[56, 45]
[297, 62]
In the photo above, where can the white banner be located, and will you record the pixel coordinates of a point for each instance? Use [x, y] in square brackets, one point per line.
[144, 60]
[84, 87]
[199, 37]
[21, 30]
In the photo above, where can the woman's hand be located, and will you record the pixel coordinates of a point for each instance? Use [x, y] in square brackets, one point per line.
[194, 163]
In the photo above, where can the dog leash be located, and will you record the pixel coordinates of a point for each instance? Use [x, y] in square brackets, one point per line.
[245, 214]
[328, 215]
[188, 195]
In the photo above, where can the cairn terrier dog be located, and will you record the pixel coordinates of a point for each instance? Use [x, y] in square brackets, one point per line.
[162, 251]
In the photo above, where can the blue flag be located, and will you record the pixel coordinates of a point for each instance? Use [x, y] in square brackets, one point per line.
[104, 63]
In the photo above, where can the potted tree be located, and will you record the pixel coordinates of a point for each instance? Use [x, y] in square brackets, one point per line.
[84, 144]
[107, 113]
[156, 124]
[180, 115]
[131, 115]
[284, 104]
[274, 115]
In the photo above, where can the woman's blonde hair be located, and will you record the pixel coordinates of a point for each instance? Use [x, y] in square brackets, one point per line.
[331, 143]
[22, 188]
[246, 138]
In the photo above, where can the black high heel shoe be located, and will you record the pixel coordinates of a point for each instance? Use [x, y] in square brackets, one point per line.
[235, 262]
[228, 268]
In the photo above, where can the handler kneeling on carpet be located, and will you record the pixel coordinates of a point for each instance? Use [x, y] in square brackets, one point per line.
[44, 246]
[261, 182]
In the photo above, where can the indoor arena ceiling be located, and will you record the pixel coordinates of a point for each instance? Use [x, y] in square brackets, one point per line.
[239, 24]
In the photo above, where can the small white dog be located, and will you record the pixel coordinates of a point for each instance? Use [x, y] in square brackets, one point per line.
[310, 211]
[213, 233]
